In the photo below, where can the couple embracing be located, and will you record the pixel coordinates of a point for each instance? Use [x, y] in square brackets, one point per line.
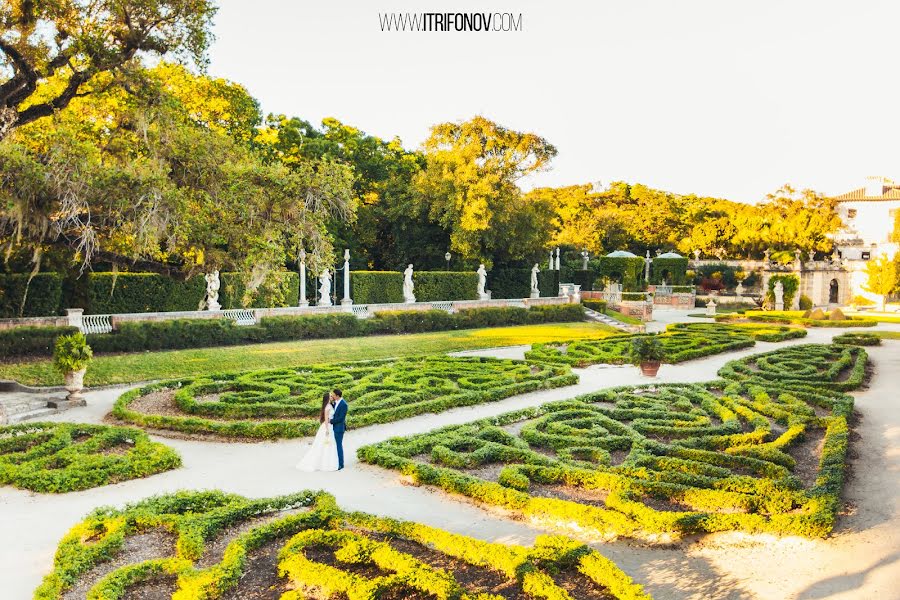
[327, 450]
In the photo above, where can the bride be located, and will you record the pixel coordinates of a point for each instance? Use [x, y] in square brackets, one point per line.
[322, 455]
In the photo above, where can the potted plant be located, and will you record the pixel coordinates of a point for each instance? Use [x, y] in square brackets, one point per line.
[647, 352]
[71, 356]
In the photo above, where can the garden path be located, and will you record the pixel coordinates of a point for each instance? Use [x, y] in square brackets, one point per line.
[860, 561]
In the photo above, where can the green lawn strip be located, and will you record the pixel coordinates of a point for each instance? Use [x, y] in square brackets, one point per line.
[627, 319]
[689, 458]
[65, 457]
[176, 364]
[359, 544]
[887, 335]
[794, 317]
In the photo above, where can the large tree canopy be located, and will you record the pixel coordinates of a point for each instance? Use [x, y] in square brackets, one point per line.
[72, 41]
[470, 186]
[159, 175]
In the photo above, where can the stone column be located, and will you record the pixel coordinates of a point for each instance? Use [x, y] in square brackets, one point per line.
[557, 259]
[550, 266]
[76, 317]
[347, 301]
[303, 301]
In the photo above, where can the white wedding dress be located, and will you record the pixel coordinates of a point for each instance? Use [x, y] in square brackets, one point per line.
[322, 455]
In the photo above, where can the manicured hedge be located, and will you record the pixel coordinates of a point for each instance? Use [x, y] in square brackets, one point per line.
[676, 268]
[629, 271]
[516, 283]
[660, 461]
[65, 457]
[597, 305]
[857, 339]
[321, 551]
[282, 288]
[434, 286]
[792, 318]
[116, 293]
[376, 287]
[275, 403]
[22, 342]
[680, 342]
[44, 295]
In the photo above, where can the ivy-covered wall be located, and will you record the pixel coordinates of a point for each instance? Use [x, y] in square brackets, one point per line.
[629, 271]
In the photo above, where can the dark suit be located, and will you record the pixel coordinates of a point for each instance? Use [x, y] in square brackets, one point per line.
[339, 425]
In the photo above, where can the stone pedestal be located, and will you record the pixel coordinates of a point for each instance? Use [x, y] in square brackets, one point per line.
[711, 308]
[535, 295]
[779, 305]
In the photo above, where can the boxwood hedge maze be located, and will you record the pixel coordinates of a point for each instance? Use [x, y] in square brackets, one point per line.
[286, 402]
[760, 450]
[681, 342]
[64, 457]
[203, 545]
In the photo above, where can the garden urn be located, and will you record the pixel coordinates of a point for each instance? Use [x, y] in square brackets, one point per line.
[649, 368]
[74, 385]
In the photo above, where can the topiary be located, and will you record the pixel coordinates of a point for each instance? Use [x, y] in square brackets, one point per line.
[837, 315]
[805, 302]
[817, 315]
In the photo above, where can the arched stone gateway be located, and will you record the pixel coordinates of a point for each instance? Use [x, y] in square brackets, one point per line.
[834, 291]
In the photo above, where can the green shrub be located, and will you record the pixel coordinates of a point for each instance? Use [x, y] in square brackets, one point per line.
[627, 271]
[857, 339]
[71, 353]
[22, 342]
[281, 288]
[431, 286]
[318, 547]
[411, 321]
[65, 457]
[516, 283]
[805, 302]
[276, 403]
[673, 270]
[715, 454]
[376, 287]
[44, 295]
[122, 293]
[597, 305]
[646, 348]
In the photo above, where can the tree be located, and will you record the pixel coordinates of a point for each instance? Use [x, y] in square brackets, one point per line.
[49, 51]
[882, 277]
[470, 186]
[137, 177]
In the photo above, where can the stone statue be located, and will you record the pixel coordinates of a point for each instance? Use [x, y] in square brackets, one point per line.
[696, 255]
[482, 280]
[585, 256]
[325, 288]
[766, 254]
[408, 285]
[797, 255]
[778, 290]
[212, 291]
[535, 292]
[812, 255]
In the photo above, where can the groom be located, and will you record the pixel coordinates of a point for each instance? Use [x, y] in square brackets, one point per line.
[339, 423]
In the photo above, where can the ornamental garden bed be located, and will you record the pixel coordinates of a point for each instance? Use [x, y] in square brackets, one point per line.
[816, 318]
[761, 450]
[65, 457]
[285, 403]
[199, 545]
[680, 342]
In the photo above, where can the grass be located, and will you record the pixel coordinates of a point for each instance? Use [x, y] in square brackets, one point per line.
[886, 335]
[133, 368]
[874, 316]
[627, 319]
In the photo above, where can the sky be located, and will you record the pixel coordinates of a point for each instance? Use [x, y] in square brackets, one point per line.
[720, 98]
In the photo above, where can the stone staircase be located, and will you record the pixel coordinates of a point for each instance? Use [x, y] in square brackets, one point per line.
[18, 403]
[600, 317]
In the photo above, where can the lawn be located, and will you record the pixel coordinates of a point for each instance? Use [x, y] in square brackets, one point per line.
[132, 368]
[627, 319]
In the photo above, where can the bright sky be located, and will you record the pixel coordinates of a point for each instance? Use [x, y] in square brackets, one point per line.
[713, 97]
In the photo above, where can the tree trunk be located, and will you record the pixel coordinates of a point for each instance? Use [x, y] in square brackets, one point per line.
[8, 119]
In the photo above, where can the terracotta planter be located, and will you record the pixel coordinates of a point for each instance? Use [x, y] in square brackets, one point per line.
[650, 368]
[74, 385]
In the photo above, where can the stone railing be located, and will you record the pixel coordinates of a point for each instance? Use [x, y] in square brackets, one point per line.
[93, 324]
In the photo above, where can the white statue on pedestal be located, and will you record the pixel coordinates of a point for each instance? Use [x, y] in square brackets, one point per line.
[535, 292]
[325, 288]
[812, 255]
[212, 291]
[778, 290]
[482, 281]
[408, 285]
